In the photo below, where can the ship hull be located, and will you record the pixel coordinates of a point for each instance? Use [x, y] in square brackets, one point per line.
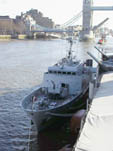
[45, 118]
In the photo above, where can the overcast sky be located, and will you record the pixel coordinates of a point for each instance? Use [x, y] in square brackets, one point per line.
[59, 11]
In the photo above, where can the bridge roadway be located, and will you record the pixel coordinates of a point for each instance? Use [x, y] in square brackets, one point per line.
[54, 30]
[102, 8]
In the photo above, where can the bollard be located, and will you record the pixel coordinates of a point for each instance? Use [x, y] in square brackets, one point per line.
[91, 90]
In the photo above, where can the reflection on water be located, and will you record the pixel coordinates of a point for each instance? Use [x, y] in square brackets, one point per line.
[22, 64]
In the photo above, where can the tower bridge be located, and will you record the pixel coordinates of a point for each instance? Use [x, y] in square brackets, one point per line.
[87, 24]
[87, 21]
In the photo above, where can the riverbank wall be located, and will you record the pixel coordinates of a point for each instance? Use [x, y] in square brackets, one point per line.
[5, 36]
[24, 36]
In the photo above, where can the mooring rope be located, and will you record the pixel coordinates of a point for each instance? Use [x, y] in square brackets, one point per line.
[29, 137]
[30, 127]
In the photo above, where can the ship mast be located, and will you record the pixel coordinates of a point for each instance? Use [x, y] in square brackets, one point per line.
[70, 49]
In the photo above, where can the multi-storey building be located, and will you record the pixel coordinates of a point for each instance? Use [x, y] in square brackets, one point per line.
[24, 23]
[40, 19]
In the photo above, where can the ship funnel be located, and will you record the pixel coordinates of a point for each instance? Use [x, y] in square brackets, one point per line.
[94, 57]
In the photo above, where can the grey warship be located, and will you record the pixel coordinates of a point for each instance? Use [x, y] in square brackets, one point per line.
[61, 89]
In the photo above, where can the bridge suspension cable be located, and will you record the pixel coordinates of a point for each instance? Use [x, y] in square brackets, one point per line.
[72, 20]
[40, 28]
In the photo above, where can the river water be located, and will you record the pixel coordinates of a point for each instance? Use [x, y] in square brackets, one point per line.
[22, 64]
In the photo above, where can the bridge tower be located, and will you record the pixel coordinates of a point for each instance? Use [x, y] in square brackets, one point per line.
[87, 21]
[88, 8]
